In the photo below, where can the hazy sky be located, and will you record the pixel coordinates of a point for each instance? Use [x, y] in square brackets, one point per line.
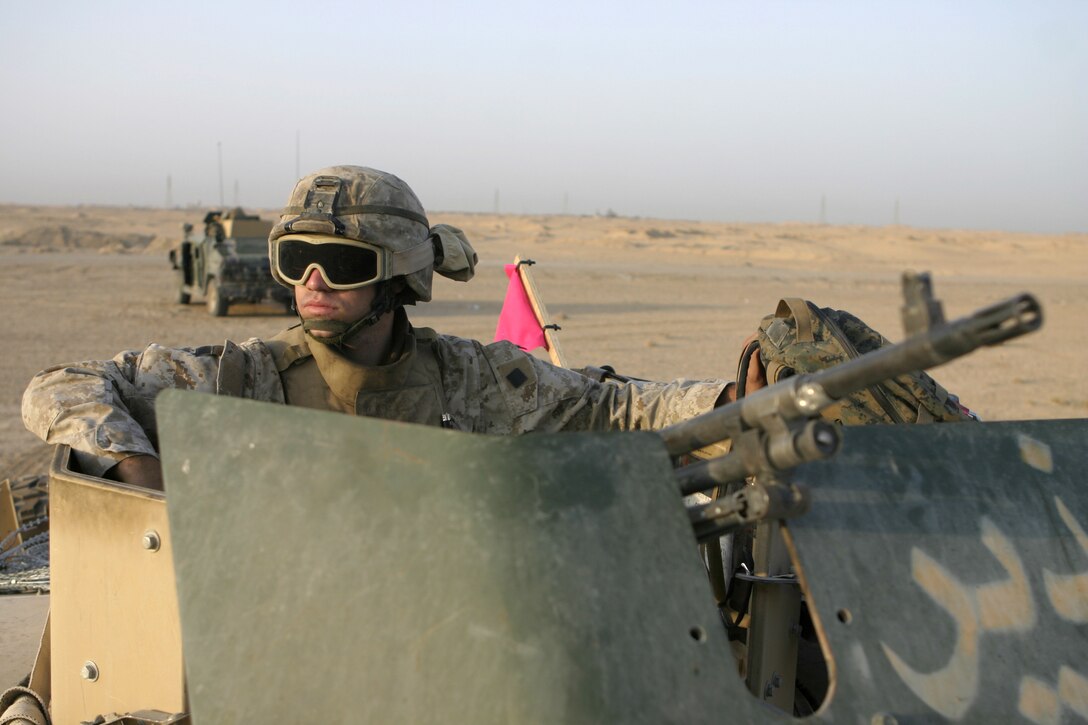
[970, 114]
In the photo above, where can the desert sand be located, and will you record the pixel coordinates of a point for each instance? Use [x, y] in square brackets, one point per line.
[654, 298]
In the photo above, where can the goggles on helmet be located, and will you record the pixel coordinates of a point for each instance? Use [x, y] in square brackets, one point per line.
[343, 263]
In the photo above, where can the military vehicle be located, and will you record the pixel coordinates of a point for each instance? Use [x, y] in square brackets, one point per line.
[875, 574]
[230, 265]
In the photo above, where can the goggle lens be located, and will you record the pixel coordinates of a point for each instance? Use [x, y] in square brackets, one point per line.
[343, 264]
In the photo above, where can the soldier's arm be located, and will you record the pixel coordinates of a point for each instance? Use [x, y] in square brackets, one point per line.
[105, 409]
[139, 470]
[639, 406]
[647, 405]
[542, 397]
[654, 405]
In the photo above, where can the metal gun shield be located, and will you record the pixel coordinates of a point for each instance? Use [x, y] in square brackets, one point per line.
[336, 568]
[949, 567]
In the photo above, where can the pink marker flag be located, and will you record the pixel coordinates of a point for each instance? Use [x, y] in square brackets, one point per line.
[517, 321]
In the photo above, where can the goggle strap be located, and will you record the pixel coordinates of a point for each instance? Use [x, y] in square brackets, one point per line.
[413, 259]
[365, 209]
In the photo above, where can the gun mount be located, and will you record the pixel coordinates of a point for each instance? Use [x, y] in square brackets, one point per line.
[773, 429]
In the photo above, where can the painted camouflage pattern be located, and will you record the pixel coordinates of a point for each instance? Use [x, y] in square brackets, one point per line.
[915, 398]
[105, 410]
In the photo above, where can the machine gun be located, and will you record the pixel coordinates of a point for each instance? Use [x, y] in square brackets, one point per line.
[777, 428]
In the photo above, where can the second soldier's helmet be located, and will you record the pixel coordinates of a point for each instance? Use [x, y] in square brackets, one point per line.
[366, 205]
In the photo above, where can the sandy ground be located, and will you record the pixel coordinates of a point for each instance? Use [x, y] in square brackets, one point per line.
[654, 298]
[24, 618]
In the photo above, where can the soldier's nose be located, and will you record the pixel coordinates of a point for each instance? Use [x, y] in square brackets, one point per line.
[315, 281]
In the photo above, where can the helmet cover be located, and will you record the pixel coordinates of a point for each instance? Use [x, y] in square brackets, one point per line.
[366, 205]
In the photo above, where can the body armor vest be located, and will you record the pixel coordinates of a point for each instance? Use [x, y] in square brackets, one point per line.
[409, 388]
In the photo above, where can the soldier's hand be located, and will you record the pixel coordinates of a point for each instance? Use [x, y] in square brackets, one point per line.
[757, 374]
[755, 378]
[139, 470]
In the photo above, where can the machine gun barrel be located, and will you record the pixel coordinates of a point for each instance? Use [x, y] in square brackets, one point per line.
[804, 396]
[813, 441]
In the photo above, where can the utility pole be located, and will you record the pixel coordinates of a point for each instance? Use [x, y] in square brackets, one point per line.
[169, 192]
[219, 153]
[823, 208]
[236, 193]
[896, 222]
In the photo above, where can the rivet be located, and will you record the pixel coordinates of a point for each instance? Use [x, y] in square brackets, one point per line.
[89, 671]
[151, 540]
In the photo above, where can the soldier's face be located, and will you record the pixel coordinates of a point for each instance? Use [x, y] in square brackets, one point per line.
[315, 300]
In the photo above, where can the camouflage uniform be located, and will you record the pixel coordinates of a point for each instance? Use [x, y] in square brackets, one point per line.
[105, 410]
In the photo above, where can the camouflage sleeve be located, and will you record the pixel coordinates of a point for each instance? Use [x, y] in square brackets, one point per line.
[542, 397]
[620, 406]
[105, 409]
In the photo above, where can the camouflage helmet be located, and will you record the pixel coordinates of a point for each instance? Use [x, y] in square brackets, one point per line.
[367, 205]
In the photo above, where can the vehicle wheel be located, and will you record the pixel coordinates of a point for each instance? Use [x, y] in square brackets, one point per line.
[183, 297]
[217, 305]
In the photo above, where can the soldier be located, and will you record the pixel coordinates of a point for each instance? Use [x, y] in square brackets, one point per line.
[213, 226]
[355, 245]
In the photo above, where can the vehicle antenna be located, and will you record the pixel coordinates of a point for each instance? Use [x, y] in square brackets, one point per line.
[219, 153]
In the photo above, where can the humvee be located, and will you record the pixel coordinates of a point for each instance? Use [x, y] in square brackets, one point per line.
[894, 574]
[230, 265]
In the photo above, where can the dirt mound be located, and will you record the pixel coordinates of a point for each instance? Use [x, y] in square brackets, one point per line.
[161, 243]
[63, 238]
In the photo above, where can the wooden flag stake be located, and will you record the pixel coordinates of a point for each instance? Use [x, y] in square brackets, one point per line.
[541, 312]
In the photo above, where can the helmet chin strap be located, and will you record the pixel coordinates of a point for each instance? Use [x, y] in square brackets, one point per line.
[342, 331]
